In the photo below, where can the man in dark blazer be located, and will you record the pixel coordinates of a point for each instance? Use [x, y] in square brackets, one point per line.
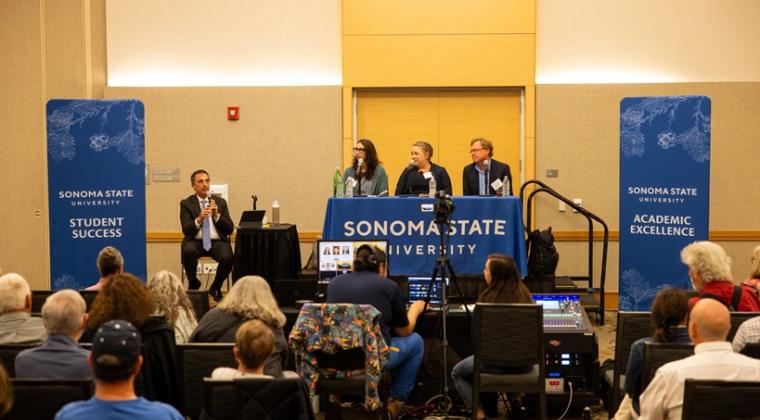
[199, 214]
[478, 176]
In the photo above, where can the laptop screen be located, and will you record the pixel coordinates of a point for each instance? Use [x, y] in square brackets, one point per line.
[337, 257]
[418, 290]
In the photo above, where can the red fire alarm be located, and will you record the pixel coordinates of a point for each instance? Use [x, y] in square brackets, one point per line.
[233, 113]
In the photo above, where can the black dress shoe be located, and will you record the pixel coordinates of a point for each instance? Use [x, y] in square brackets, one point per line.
[216, 294]
[193, 284]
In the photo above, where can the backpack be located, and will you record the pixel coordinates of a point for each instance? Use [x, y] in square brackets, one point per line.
[542, 254]
[735, 299]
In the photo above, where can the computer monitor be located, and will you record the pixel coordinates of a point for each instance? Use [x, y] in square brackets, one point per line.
[417, 289]
[336, 257]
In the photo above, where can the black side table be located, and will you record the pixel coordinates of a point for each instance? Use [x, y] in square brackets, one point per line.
[271, 252]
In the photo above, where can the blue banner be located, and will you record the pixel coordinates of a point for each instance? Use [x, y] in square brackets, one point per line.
[480, 226]
[664, 192]
[96, 187]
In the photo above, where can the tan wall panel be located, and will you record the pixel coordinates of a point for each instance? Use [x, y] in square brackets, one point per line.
[361, 17]
[65, 61]
[97, 52]
[285, 146]
[395, 120]
[438, 60]
[465, 115]
[23, 247]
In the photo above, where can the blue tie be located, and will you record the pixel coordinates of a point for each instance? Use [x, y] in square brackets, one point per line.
[206, 230]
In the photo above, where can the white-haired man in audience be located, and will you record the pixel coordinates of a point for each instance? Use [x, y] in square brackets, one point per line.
[17, 326]
[60, 357]
[709, 324]
[116, 360]
[710, 274]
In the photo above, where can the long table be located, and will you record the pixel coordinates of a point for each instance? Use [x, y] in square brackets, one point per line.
[480, 226]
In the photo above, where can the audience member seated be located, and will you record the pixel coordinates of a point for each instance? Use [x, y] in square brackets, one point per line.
[6, 392]
[669, 312]
[754, 276]
[749, 330]
[110, 262]
[116, 361]
[504, 286]
[60, 357]
[249, 298]
[173, 303]
[368, 284]
[254, 343]
[17, 326]
[709, 324]
[123, 296]
[710, 274]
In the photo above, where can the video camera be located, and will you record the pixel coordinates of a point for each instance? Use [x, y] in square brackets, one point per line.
[444, 207]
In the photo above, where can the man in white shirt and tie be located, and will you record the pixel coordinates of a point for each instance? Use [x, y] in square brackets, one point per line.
[714, 359]
[207, 227]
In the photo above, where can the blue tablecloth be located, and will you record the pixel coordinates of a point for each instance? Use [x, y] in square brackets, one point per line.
[480, 226]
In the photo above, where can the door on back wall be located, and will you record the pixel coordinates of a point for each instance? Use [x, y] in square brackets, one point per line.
[447, 119]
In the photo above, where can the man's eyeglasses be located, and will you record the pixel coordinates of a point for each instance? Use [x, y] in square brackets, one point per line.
[471, 150]
[359, 149]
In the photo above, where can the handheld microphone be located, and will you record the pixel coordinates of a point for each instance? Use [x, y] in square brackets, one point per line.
[488, 177]
[410, 165]
[359, 163]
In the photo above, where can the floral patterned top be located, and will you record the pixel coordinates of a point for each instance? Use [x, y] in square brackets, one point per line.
[331, 327]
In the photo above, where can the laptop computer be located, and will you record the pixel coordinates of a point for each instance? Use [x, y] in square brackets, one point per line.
[417, 289]
[251, 219]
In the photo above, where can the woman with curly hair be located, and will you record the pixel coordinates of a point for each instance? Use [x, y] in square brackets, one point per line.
[125, 297]
[249, 298]
[172, 302]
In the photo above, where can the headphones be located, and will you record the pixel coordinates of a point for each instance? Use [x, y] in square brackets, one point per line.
[375, 258]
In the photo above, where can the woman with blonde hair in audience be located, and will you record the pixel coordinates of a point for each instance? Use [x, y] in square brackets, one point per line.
[249, 298]
[6, 392]
[754, 273]
[254, 342]
[172, 302]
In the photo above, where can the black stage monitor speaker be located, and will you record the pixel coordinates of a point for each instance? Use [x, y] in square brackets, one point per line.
[288, 291]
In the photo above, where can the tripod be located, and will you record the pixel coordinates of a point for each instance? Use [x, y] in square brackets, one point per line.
[444, 270]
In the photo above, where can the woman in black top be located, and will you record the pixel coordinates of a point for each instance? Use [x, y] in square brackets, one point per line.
[504, 286]
[415, 179]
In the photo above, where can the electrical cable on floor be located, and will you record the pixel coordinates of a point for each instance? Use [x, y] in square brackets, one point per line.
[569, 401]
[444, 405]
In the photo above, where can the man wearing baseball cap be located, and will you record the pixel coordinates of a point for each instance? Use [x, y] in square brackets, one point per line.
[116, 360]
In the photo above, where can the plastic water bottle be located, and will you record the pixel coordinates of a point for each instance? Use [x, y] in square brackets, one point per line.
[276, 212]
[337, 183]
[505, 187]
[349, 187]
[432, 188]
